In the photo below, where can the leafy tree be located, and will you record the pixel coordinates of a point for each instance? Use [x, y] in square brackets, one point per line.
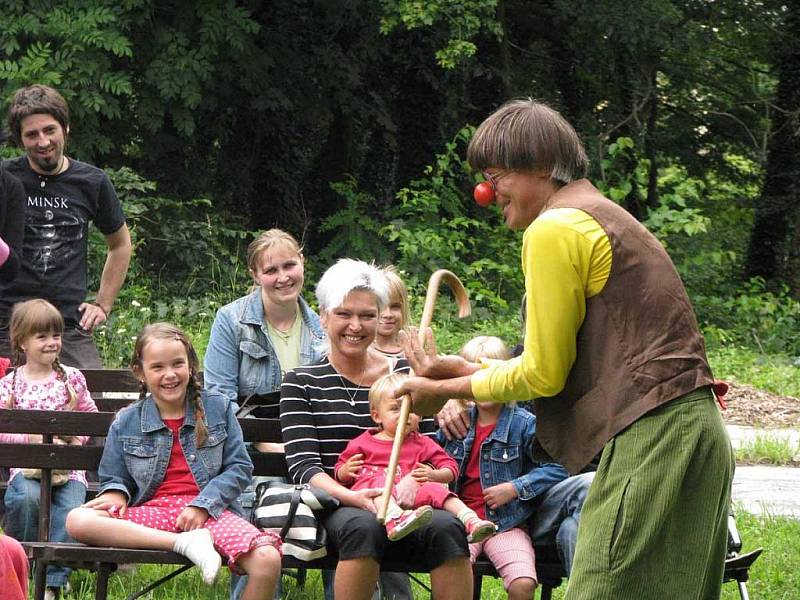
[80, 48]
[773, 253]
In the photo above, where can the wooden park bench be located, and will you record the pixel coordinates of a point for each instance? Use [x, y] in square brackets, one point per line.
[113, 389]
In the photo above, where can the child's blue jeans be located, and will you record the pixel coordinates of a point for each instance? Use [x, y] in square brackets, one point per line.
[22, 516]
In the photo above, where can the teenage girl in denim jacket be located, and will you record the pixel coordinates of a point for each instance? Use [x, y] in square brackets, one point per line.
[499, 478]
[256, 339]
[173, 465]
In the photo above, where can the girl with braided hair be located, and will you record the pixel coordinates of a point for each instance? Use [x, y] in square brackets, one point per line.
[42, 383]
[173, 467]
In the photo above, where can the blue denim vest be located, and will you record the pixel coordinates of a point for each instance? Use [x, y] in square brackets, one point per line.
[507, 455]
[138, 446]
[240, 359]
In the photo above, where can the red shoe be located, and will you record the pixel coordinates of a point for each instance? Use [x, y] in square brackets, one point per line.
[409, 520]
[479, 530]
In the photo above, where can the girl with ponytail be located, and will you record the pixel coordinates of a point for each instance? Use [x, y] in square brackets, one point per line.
[40, 382]
[173, 467]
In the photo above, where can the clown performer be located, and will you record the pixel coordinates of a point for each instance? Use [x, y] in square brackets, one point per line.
[615, 362]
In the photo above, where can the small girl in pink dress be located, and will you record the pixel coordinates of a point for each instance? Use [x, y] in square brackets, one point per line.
[364, 462]
[42, 383]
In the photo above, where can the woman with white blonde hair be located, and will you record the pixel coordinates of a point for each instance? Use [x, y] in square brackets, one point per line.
[325, 405]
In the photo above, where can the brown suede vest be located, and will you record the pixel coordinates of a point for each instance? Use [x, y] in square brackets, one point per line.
[638, 347]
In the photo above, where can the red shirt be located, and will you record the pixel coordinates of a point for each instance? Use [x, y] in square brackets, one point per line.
[178, 480]
[13, 569]
[471, 490]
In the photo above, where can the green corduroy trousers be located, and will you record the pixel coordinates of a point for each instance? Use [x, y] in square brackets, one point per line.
[654, 525]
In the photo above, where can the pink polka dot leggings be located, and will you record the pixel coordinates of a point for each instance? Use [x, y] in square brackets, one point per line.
[232, 534]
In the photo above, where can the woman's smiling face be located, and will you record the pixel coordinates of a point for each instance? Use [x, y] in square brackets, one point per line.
[352, 325]
[280, 273]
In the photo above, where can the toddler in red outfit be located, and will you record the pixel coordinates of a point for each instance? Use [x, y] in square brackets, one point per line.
[364, 462]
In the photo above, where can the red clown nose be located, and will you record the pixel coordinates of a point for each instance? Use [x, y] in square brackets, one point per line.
[483, 193]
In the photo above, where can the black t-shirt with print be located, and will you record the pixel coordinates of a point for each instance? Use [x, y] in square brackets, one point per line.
[58, 211]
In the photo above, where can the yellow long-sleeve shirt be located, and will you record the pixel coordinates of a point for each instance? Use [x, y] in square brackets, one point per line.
[566, 258]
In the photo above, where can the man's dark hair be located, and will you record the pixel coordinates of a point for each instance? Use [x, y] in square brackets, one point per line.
[36, 100]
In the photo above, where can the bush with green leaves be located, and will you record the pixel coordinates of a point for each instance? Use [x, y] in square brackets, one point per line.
[181, 247]
[115, 337]
[187, 262]
[757, 317]
[434, 224]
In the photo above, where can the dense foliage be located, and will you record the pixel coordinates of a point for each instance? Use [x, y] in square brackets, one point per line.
[346, 123]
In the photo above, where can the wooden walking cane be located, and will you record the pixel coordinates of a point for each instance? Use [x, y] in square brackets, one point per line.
[462, 299]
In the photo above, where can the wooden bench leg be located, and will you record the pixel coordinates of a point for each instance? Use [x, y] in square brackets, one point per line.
[103, 573]
[477, 581]
[39, 579]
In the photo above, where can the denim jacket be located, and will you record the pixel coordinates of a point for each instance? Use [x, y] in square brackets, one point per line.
[138, 446]
[240, 359]
[507, 455]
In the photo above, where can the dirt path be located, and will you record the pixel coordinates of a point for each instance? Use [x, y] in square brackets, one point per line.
[757, 408]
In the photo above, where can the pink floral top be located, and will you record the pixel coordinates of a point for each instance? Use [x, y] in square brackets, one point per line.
[50, 394]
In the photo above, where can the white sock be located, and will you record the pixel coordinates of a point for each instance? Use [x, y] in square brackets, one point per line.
[198, 547]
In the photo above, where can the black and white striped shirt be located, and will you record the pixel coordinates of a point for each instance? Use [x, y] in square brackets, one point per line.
[321, 411]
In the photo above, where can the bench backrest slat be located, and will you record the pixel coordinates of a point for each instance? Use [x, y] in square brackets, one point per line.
[59, 456]
[261, 430]
[51, 456]
[57, 422]
[62, 422]
[110, 380]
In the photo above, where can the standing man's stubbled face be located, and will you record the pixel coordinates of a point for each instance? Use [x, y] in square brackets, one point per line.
[44, 139]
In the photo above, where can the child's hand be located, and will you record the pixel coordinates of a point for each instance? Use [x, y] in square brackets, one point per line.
[422, 473]
[413, 419]
[350, 468]
[498, 495]
[113, 502]
[405, 491]
[191, 518]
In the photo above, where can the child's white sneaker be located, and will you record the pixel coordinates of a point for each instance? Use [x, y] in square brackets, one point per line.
[479, 530]
[54, 593]
[198, 547]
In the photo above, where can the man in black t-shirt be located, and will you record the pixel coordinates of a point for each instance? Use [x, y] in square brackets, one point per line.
[63, 196]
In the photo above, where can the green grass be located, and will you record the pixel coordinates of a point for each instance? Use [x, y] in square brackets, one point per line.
[774, 576]
[776, 373]
[769, 449]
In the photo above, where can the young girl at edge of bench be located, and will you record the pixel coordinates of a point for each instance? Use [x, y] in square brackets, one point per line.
[42, 383]
[173, 466]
